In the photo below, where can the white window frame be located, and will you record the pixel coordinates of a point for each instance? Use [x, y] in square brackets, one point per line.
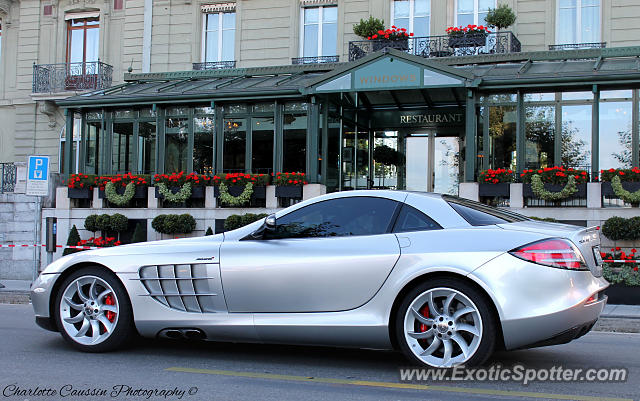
[203, 50]
[578, 32]
[411, 15]
[475, 11]
[320, 33]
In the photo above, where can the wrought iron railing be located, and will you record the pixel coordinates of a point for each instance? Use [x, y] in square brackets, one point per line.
[315, 60]
[570, 46]
[214, 65]
[62, 77]
[442, 46]
[8, 178]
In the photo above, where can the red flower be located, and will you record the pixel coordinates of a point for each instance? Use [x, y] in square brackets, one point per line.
[617, 248]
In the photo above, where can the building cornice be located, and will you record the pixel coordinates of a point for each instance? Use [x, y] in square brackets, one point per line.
[5, 6]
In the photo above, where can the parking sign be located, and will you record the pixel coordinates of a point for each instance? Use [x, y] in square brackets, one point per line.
[38, 176]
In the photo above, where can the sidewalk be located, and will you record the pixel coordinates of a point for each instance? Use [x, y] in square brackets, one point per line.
[622, 318]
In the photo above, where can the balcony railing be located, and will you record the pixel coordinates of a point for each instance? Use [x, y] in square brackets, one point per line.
[570, 46]
[315, 60]
[442, 46]
[63, 77]
[214, 65]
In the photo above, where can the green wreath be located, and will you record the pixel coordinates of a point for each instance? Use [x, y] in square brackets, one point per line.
[227, 199]
[537, 186]
[182, 195]
[119, 200]
[618, 189]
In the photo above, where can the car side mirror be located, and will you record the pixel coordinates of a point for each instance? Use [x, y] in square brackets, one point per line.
[268, 226]
[270, 222]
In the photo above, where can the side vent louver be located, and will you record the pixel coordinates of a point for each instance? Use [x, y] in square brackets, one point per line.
[187, 288]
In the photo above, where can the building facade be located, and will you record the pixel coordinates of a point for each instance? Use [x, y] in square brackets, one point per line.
[265, 86]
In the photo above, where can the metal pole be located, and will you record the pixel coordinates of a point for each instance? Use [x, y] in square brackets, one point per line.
[36, 250]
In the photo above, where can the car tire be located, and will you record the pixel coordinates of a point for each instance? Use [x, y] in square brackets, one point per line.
[92, 311]
[431, 336]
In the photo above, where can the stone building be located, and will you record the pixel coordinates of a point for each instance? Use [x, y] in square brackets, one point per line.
[116, 86]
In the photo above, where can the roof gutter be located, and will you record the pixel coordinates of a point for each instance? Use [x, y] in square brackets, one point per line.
[123, 101]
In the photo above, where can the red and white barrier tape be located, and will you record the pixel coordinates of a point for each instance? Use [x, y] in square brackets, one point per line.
[621, 261]
[43, 245]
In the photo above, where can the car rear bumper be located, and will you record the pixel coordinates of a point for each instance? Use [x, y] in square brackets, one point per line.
[557, 328]
[540, 305]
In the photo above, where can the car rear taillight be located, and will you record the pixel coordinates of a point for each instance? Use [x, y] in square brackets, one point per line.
[552, 252]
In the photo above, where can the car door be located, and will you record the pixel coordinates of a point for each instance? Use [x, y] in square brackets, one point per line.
[331, 255]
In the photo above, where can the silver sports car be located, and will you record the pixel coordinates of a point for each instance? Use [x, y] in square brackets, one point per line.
[445, 280]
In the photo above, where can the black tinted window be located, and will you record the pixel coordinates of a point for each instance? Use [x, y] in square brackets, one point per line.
[477, 214]
[338, 217]
[411, 219]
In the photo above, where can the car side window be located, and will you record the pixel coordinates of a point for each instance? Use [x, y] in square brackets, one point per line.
[337, 217]
[411, 219]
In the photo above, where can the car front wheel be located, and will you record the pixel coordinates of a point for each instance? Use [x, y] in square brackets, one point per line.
[445, 322]
[93, 312]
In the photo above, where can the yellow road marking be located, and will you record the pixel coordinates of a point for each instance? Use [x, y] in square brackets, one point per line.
[365, 383]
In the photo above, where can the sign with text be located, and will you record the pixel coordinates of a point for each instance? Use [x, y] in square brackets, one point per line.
[387, 73]
[439, 118]
[38, 176]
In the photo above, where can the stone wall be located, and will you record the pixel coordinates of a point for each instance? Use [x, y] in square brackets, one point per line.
[18, 214]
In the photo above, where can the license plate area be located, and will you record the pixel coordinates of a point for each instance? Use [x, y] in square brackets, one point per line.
[597, 256]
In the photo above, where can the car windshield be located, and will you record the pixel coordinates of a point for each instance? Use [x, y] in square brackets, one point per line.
[478, 214]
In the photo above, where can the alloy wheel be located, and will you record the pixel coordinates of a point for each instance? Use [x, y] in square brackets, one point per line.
[89, 310]
[443, 327]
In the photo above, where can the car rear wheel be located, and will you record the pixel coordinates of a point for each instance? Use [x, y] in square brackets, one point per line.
[445, 322]
[93, 312]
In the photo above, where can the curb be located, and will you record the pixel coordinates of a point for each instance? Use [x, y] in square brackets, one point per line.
[618, 324]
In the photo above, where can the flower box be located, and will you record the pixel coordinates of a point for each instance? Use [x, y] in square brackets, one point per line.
[631, 186]
[623, 294]
[501, 189]
[289, 191]
[196, 192]
[399, 44]
[80, 193]
[259, 191]
[468, 40]
[141, 192]
[527, 192]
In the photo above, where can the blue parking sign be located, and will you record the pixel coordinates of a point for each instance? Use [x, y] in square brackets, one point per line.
[38, 168]
[38, 176]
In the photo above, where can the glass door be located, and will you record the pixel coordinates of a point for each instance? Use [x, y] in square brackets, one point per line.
[432, 162]
[356, 160]
[446, 164]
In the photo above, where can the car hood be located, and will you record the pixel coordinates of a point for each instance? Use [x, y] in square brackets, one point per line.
[163, 246]
[118, 256]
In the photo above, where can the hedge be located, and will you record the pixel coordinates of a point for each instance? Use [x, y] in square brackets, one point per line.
[116, 223]
[174, 223]
[240, 220]
[619, 228]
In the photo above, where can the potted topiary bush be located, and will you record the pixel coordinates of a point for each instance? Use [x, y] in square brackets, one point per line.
[501, 17]
[366, 28]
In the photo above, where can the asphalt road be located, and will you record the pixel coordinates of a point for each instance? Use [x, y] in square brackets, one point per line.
[34, 359]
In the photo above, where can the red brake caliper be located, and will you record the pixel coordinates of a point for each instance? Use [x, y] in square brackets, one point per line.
[108, 300]
[425, 313]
